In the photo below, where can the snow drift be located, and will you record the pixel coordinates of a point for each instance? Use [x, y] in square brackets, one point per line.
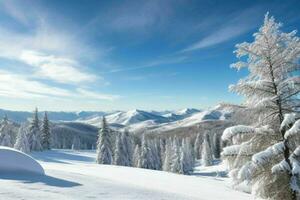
[12, 160]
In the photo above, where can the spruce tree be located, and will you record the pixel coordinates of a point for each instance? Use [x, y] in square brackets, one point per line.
[104, 152]
[206, 155]
[6, 133]
[34, 133]
[217, 146]
[127, 147]
[175, 163]
[136, 156]
[120, 154]
[197, 147]
[168, 156]
[22, 142]
[46, 135]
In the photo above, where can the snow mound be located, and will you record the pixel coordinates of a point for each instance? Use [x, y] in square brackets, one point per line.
[12, 160]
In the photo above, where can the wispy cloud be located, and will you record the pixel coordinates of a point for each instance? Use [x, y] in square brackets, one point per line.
[240, 23]
[20, 86]
[59, 69]
[155, 63]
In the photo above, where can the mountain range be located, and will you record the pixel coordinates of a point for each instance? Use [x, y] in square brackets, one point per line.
[133, 120]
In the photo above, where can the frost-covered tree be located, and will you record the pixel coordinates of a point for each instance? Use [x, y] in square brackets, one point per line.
[120, 154]
[34, 133]
[272, 89]
[155, 154]
[136, 156]
[175, 164]
[197, 147]
[217, 146]
[206, 154]
[127, 144]
[186, 157]
[46, 135]
[168, 156]
[22, 142]
[104, 152]
[162, 148]
[145, 159]
[76, 144]
[5, 133]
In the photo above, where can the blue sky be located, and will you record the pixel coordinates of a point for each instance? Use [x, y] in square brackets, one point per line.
[121, 55]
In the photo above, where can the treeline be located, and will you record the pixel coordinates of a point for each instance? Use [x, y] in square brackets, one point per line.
[172, 154]
[34, 136]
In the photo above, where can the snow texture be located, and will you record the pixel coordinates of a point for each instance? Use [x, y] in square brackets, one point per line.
[294, 130]
[288, 119]
[234, 130]
[264, 156]
[73, 175]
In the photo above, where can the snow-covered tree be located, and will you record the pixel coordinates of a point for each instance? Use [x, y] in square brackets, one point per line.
[46, 135]
[175, 164]
[22, 142]
[120, 154]
[76, 144]
[155, 154]
[5, 133]
[186, 157]
[136, 156]
[216, 146]
[128, 148]
[206, 154]
[34, 133]
[272, 89]
[104, 152]
[145, 159]
[168, 156]
[162, 149]
[197, 147]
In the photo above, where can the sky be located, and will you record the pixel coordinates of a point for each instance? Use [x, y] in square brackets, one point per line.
[72, 55]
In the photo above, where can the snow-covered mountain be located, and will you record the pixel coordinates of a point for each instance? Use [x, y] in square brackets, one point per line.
[136, 120]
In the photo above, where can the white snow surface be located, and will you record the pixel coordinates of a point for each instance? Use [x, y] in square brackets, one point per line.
[14, 161]
[72, 175]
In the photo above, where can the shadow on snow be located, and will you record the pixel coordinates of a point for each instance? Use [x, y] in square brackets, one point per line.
[34, 178]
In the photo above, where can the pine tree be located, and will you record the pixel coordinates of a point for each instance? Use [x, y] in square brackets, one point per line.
[104, 152]
[155, 155]
[128, 148]
[120, 156]
[22, 142]
[271, 89]
[76, 144]
[217, 146]
[34, 133]
[206, 155]
[46, 135]
[136, 156]
[186, 157]
[175, 165]
[5, 133]
[145, 161]
[168, 156]
[197, 147]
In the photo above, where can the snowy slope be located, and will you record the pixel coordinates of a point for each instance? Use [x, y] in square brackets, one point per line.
[73, 175]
